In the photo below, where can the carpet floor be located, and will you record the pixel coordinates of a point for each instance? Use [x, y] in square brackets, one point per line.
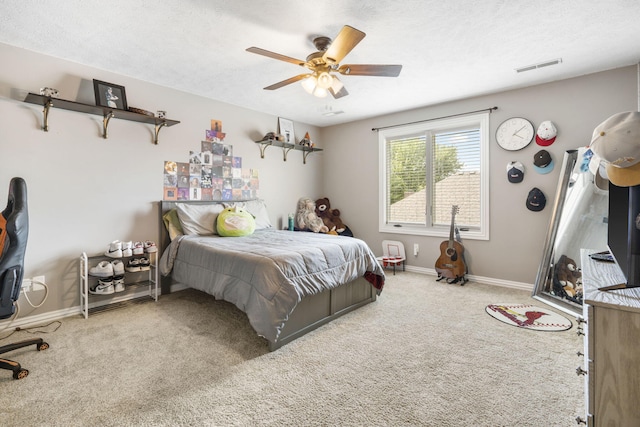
[424, 354]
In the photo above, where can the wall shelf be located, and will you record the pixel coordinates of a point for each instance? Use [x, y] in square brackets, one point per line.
[105, 112]
[286, 147]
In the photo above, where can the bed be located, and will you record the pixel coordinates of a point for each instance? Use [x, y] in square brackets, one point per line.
[288, 283]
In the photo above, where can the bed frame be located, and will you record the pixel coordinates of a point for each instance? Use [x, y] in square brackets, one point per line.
[312, 312]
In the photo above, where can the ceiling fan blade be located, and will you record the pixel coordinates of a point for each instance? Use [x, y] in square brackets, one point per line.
[345, 41]
[370, 70]
[276, 56]
[286, 82]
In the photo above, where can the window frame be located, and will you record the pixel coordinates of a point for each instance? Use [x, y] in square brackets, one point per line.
[425, 128]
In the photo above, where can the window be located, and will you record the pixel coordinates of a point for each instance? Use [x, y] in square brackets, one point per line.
[427, 168]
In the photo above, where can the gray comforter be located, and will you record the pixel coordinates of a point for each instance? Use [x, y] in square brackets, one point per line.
[267, 273]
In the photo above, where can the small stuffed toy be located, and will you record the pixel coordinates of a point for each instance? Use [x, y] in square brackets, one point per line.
[306, 218]
[567, 281]
[330, 217]
[235, 222]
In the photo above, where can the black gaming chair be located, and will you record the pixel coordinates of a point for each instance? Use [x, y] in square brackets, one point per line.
[14, 230]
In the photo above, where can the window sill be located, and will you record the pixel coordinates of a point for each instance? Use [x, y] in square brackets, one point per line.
[433, 232]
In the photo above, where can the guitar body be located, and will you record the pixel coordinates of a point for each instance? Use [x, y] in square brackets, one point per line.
[451, 264]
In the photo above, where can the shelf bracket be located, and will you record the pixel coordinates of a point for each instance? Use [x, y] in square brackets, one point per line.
[105, 124]
[45, 112]
[305, 153]
[158, 127]
[285, 151]
[263, 146]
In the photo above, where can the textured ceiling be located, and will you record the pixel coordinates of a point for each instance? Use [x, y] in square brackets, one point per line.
[449, 49]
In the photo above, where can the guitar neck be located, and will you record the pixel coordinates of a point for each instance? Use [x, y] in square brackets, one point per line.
[453, 220]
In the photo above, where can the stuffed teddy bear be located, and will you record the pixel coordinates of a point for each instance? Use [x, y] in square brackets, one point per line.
[567, 281]
[330, 217]
[306, 218]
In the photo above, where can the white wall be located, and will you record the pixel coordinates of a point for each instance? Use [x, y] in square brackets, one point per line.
[85, 191]
[513, 253]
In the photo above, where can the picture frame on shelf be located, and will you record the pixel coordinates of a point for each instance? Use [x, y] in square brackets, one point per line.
[110, 95]
[285, 128]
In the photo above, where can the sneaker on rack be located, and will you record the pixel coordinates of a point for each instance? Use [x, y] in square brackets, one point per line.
[150, 247]
[103, 287]
[115, 249]
[133, 265]
[138, 248]
[118, 267]
[127, 248]
[145, 265]
[103, 269]
[118, 283]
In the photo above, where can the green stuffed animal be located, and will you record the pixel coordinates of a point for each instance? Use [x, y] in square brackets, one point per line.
[235, 222]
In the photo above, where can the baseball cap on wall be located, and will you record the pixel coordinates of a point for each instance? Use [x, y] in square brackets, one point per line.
[542, 162]
[536, 200]
[515, 172]
[546, 134]
[617, 142]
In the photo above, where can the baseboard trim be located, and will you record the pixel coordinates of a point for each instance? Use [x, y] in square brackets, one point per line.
[39, 319]
[477, 279]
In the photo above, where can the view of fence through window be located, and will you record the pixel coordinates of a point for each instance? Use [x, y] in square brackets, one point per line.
[434, 176]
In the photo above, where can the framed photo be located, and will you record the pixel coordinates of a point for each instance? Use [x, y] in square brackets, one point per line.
[285, 128]
[109, 95]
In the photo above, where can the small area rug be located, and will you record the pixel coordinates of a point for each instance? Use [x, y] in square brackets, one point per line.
[529, 317]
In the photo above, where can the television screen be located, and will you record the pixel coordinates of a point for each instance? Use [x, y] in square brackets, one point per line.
[623, 236]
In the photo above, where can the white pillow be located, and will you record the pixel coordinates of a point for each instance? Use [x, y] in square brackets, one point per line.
[199, 219]
[258, 209]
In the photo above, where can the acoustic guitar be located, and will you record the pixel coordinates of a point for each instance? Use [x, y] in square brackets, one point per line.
[450, 264]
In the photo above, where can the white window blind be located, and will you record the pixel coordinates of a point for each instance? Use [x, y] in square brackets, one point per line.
[428, 168]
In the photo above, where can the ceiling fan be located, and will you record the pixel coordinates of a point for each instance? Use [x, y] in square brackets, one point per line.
[326, 61]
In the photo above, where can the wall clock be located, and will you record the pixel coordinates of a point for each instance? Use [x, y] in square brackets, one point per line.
[514, 133]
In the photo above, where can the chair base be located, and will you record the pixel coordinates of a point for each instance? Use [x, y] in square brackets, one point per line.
[18, 371]
[391, 262]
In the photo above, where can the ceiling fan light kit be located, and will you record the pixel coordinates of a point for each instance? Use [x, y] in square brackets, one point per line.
[326, 61]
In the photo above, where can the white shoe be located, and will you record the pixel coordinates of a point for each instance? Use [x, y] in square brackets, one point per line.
[144, 264]
[115, 249]
[133, 265]
[127, 248]
[150, 247]
[118, 267]
[103, 269]
[138, 248]
[118, 283]
[104, 287]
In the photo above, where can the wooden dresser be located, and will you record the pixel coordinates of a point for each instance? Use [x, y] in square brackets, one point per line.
[611, 347]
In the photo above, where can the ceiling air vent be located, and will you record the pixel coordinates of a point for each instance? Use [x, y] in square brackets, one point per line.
[332, 113]
[540, 65]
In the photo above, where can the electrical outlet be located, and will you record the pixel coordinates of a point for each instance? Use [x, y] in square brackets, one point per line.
[33, 284]
[416, 249]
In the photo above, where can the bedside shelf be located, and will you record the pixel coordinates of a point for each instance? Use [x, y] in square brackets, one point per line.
[286, 147]
[105, 112]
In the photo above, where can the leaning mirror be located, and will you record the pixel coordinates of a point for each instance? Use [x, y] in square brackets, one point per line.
[578, 220]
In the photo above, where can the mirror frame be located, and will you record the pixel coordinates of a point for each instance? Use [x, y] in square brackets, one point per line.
[546, 265]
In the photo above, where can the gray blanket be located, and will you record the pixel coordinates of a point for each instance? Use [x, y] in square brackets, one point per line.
[267, 273]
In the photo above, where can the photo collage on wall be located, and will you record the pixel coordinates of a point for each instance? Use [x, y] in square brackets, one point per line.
[212, 173]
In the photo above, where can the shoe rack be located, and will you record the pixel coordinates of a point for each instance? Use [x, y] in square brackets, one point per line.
[138, 285]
